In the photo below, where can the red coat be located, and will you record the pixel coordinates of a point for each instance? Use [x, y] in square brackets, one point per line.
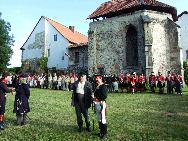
[161, 78]
[180, 78]
[152, 79]
[134, 80]
[142, 79]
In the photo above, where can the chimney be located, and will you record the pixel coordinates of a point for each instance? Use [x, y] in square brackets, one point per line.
[71, 28]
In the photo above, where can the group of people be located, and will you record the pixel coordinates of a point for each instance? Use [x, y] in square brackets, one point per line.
[84, 96]
[86, 92]
[21, 104]
[125, 82]
[54, 81]
[133, 82]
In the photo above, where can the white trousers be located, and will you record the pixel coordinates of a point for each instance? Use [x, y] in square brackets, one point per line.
[100, 108]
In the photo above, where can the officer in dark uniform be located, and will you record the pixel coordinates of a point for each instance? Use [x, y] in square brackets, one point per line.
[21, 103]
[99, 100]
[3, 93]
[81, 100]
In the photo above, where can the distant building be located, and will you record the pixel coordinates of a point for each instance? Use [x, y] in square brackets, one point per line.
[133, 35]
[53, 40]
[183, 23]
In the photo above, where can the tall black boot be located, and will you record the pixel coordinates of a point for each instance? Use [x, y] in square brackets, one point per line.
[24, 119]
[103, 131]
[80, 127]
[100, 129]
[19, 119]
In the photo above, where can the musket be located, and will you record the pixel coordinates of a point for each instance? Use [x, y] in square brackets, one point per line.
[19, 102]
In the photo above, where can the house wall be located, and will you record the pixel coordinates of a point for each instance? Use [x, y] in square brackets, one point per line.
[83, 58]
[34, 46]
[57, 48]
[183, 23]
[42, 39]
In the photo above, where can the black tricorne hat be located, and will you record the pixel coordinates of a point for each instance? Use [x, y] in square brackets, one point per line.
[24, 75]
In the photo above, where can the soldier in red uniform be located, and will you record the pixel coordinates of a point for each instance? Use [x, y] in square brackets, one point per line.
[134, 80]
[160, 83]
[179, 84]
[152, 82]
[141, 82]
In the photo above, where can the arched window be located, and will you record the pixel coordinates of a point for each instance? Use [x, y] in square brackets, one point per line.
[132, 47]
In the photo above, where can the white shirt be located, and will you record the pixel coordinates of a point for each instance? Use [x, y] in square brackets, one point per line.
[80, 88]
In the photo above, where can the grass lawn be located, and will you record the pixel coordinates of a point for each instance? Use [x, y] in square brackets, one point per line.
[138, 117]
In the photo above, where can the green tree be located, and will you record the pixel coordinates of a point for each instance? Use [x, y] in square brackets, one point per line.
[43, 63]
[6, 41]
[185, 66]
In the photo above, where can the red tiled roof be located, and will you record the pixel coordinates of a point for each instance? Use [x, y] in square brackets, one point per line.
[114, 7]
[74, 37]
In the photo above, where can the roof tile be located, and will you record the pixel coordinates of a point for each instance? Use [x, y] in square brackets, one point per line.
[115, 6]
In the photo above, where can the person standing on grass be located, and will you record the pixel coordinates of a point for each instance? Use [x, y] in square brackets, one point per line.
[160, 82]
[99, 99]
[152, 82]
[81, 100]
[21, 103]
[3, 90]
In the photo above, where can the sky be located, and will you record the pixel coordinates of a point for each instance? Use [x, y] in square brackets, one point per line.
[23, 15]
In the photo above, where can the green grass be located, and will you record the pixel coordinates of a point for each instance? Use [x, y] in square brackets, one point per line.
[139, 117]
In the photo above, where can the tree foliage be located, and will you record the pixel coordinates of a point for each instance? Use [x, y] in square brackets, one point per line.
[15, 70]
[185, 66]
[43, 63]
[6, 41]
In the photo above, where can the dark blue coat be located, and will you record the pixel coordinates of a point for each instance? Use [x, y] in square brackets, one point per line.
[87, 94]
[21, 103]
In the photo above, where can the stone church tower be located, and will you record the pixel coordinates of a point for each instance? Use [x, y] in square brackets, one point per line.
[133, 35]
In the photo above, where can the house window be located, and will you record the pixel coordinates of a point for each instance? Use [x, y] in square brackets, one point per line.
[48, 52]
[76, 57]
[63, 58]
[55, 37]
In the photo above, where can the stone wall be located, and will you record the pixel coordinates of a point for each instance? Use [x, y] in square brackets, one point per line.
[156, 38]
[107, 44]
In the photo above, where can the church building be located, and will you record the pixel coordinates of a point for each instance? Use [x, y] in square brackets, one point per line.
[133, 35]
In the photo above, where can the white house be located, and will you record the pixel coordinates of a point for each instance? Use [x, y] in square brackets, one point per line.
[53, 40]
[183, 23]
